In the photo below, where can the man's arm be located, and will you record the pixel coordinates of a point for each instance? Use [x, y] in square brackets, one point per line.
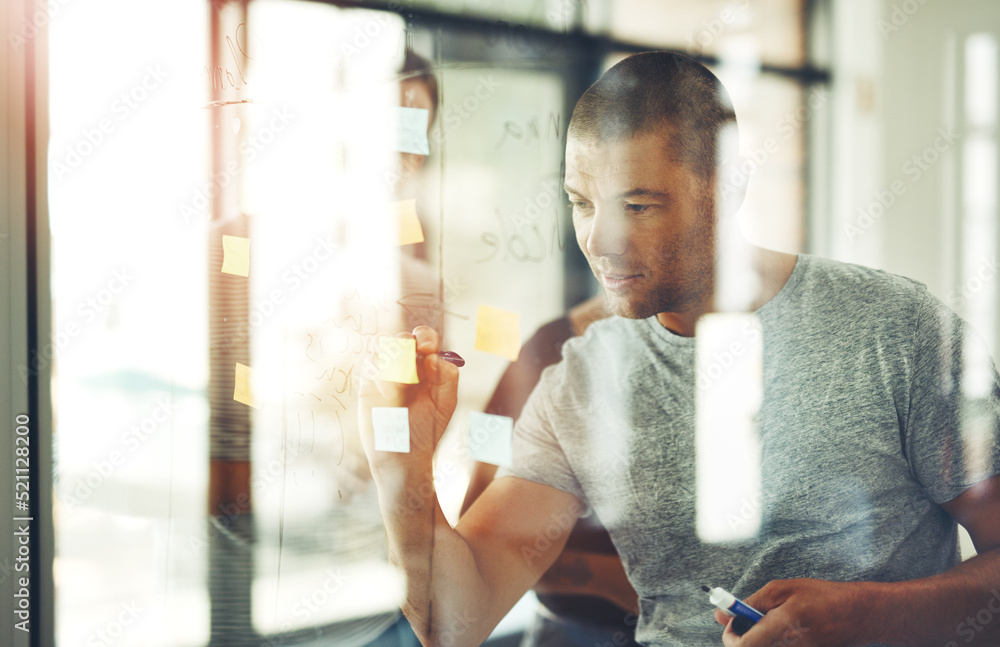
[575, 571]
[958, 607]
[459, 582]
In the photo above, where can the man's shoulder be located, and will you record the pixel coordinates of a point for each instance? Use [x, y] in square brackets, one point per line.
[828, 279]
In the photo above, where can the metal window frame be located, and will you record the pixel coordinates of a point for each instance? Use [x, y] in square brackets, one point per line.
[25, 322]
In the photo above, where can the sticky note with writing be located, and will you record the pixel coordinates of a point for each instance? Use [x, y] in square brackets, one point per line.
[241, 390]
[498, 331]
[397, 359]
[236, 255]
[411, 130]
[392, 429]
[407, 222]
[490, 438]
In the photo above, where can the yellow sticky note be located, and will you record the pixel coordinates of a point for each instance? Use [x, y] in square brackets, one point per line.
[397, 359]
[407, 222]
[236, 255]
[499, 332]
[241, 392]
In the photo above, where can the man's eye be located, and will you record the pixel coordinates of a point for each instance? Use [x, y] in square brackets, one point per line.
[579, 204]
[638, 208]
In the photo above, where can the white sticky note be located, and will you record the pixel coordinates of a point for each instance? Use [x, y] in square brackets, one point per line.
[392, 429]
[236, 255]
[411, 130]
[490, 438]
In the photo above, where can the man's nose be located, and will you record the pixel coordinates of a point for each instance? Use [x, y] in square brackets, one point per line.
[608, 234]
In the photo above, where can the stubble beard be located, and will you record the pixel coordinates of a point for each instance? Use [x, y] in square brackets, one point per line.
[683, 285]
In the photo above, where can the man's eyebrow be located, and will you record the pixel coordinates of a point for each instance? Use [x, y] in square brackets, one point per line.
[632, 193]
[647, 193]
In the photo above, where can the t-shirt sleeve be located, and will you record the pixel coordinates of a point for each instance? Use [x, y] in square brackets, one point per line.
[537, 454]
[952, 434]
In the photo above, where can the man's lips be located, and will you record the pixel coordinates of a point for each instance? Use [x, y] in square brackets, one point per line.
[617, 280]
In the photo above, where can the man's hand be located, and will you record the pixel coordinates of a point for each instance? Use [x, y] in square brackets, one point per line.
[431, 403]
[806, 613]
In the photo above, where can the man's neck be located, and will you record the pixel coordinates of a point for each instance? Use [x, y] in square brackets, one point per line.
[773, 271]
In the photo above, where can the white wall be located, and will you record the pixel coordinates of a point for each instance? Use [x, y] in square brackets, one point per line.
[899, 83]
[901, 192]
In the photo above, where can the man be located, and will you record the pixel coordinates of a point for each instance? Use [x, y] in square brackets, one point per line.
[869, 454]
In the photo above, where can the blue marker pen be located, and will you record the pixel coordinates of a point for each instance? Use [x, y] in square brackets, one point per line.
[746, 616]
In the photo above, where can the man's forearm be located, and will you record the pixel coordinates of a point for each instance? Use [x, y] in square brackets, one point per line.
[959, 607]
[446, 599]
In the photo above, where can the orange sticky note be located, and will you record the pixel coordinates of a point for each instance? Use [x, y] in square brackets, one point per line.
[236, 255]
[407, 222]
[397, 359]
[499, 332]
[241, 392]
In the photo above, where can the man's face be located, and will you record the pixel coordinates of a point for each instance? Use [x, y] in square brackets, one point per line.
[645, 223]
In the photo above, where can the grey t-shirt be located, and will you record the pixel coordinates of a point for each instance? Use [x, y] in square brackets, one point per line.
[863, 432]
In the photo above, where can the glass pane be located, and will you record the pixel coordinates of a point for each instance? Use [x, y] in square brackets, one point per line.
[127, 151]
[244, 206]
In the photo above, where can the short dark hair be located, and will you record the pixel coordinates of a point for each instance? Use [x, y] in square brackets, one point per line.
[418, 68]
[653, 90]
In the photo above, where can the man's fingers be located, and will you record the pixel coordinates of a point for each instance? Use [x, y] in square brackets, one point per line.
[428, 341]
[771, 595]
[722, 618]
